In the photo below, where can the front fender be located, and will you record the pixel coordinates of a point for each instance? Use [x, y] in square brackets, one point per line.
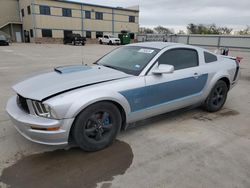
[70, 105]
[78, 106]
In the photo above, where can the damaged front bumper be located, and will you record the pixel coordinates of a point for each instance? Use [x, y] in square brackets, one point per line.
[38, 129]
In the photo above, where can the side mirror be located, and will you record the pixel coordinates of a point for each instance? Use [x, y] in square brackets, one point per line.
[163, 69]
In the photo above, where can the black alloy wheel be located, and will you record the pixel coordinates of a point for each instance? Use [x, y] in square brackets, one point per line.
[97, 126]
[217, 97]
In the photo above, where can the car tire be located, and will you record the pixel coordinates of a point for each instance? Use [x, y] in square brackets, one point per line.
[217, 97]
[100, 41]
[96, 127]
[110, 42]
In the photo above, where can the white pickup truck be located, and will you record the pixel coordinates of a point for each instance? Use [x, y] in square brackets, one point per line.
[109, 39]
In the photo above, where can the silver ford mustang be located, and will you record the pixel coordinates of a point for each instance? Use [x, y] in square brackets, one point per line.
[91, 104]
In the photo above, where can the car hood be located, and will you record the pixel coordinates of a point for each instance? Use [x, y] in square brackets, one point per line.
[64, 79]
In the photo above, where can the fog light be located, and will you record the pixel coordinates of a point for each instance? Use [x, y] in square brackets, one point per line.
[45, 129]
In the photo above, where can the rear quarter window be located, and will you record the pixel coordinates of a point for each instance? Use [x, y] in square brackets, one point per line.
[209, 58]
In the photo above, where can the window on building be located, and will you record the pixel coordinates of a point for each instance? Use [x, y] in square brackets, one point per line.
[28, 9]
[66, 12]
[31, 33]
[46, 33]
[99, 16]
[45, 10]
[209, 57]
[180, 58]
[22, 12]
[88, 34]
[99, 34]
[87, 14]
[131, 19]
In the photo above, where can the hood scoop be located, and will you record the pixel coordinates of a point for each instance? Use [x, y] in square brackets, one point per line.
[71, 69]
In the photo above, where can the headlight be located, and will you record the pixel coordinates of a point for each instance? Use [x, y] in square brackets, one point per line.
[43, 110]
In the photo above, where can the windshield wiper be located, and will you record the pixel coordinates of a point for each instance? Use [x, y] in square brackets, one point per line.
[109, 66]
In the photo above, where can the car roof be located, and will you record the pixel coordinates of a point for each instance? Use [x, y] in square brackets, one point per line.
[159, 45]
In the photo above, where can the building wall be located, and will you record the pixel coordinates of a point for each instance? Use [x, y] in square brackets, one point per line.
[10, 21]
[9, 12]
[113, 22]
[27, 19]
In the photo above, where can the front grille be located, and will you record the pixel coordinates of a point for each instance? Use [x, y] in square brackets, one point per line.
[22, 103]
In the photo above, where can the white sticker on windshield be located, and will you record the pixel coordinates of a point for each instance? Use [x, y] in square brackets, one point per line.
[137, 66]
[146, 51]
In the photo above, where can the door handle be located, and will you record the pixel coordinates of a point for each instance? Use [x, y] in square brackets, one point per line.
[196, 75]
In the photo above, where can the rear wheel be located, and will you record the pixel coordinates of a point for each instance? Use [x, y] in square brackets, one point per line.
[110, 42]
[217, 97]
[100, 41]
[97, 126]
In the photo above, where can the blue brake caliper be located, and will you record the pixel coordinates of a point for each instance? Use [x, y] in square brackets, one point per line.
[106, 120]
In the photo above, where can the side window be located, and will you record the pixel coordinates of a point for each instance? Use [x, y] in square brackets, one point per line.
[46, 33]
[22, 12]
[87, 14]
[131, 19]
[45, 10]
[209, 58]
[180, 58]
[88, 34]
[66, 12]
[99, 16]
[106, 37]
[28, 9]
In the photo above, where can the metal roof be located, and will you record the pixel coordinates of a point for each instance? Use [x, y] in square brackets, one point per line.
[158, 45]
[102, 6]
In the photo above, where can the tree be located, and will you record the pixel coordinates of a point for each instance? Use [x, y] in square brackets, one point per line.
[145, 30]
[192, 28]
[163, 30]
[207, 29]
[245, 31]
[225, 30]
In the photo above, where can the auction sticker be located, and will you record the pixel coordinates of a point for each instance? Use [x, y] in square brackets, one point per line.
[146, 51]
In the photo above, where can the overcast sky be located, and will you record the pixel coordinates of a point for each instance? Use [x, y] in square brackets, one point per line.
[177, 14]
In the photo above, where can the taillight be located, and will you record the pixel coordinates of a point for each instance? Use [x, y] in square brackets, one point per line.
[238, 59]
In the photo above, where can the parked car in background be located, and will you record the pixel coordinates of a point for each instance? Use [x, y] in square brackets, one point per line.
[91, 104]
[3, 41]
[109, 39]
[74, 39]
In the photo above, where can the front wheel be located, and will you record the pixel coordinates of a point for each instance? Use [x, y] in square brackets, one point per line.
[217, 97]
[110, 42]
[96, 127]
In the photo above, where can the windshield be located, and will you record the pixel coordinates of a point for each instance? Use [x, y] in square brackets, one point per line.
[2, 37]
[129, 59]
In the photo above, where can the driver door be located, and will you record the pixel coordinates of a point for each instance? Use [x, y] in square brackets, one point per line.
[182, 87]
